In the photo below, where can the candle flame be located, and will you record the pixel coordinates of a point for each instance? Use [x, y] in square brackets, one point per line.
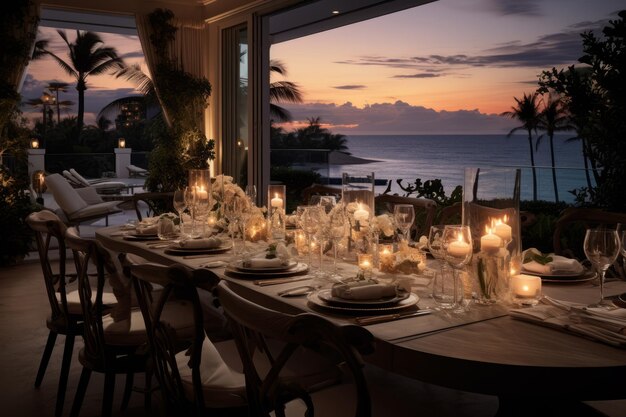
[505, 219]
[459, 237]
[275, 195]
[525, 287]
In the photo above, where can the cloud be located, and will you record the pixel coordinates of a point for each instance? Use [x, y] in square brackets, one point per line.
[399, 118]
[418, 75]
[515, 7]
[350, 87]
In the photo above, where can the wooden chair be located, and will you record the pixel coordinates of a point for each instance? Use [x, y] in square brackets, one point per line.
[563, 240]
[193, 377]
[110, 347]
[451, 214]
[66, 317]
[425, 210]
[320, 189]
[272, 390]
[153, 203]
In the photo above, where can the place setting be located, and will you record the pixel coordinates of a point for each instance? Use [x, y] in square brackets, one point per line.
[275, 261]
[555, 269]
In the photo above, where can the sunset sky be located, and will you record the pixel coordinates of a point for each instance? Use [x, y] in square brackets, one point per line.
[446, 67]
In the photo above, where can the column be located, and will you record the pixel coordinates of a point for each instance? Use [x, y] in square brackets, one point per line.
[122, 161]
[36, 161]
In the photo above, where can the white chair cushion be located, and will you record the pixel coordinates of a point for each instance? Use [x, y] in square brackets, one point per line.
[66, 197]
[95, 210]
[132, 332]
[90, 195]
[79, 177]
[221, 385]
[73, 301]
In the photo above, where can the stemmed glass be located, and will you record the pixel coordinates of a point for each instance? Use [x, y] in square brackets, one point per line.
[251, 193]
[435, 243]
[190, 203]
[601, 248]
[202, 207]
[231, 213]
[310, 225]
[457, 252]
[404, 215]
[180, 205]
[337, 229]
[327, 202]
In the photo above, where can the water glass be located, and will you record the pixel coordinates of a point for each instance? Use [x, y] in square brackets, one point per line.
[446, 289]
[166, 228]
[404, 215]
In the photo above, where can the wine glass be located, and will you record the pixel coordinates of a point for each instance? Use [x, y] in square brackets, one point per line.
[310, 225]
[404, 215]
[327, 202]
[180, 205]
[251, 193]
[231, 213]
[601, 248]
[457, 252]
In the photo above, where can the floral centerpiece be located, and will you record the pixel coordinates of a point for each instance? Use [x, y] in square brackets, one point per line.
[224, 192]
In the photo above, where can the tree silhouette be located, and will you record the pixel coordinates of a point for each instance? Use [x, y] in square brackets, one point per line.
[553, 118]
[527, 112]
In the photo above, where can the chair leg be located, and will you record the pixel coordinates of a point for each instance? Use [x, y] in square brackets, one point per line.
[45, 358]
[65, 371]
[107, 398]
[127, 390]
[80, 392]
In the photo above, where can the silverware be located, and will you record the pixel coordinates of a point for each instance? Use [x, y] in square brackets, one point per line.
[365, 320]
[276, 281]
[297, 291]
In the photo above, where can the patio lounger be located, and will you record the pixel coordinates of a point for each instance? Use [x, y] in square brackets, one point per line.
[135, 171]
[79, 205]
[102, 186]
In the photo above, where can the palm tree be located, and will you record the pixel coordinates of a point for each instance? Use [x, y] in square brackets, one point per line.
[55, 87]
[553, 118]
[87, 56]
[282, 92]
[527, 112]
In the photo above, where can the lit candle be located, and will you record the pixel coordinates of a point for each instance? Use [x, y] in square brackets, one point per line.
[458, 248]
[276, 202]
[212, 219]
[366, 261]
[361, 214]
[201, 193]
[490, 242]
[526, 286]
[385, 257]
[502, 229]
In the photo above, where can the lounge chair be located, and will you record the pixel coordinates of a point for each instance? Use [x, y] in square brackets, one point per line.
[102, 186]
[135, 171]
[79, 205]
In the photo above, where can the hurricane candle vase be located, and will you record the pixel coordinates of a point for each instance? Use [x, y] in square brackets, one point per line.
[200, 185]
[276, 219]
[491, 210]
[357, 197]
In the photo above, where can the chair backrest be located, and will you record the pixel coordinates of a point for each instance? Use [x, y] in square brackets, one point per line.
[319, 189]
[49, 229]
[156, 202]
[267, 391]
[89, 252]
[164, 342]
[585, 218]
[64, 194]
[452, 214]
[425, 210]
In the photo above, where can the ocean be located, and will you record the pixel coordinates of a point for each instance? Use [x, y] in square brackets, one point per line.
[445, 157]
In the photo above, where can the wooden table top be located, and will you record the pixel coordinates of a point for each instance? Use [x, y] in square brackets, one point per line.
[483, 350]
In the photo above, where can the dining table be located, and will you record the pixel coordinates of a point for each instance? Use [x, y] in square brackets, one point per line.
[481, 349]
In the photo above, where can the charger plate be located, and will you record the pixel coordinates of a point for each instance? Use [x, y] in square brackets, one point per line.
[326, 295]
[316, 301]
[299, 269]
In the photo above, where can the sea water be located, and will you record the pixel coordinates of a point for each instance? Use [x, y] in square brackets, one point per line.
[446, 156]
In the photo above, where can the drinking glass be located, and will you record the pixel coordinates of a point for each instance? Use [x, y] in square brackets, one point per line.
[601, 248]
[310, 225]
[435, 243]
[180, 205]
[337, 229]
[404, 215]
[251, 193]
[232, 216]
[327, 202]
[190, 203]
[457, 252]
[202, 207]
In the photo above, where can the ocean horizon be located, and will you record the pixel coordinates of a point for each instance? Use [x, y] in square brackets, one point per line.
[445, 157]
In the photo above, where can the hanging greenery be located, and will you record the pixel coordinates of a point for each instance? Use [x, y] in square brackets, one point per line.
[183, 97]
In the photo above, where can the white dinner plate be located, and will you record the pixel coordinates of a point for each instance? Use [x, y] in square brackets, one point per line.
[177, 250]
[410, 301]
[560, 275]
[299, 269]
[326, 295]
[240, 267]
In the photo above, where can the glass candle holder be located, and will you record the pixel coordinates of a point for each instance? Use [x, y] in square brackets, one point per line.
[491, 210]
[366, 264]
[525, 289]
[357, 196]
[386, 257]
[276, 219]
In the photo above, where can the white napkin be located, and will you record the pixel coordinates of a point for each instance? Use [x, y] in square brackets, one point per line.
[264, 263]
[146, 230]
[367, 291]
[205, 243]
[559, 265]
[608, 326]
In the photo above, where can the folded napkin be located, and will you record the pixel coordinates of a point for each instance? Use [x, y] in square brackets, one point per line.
[559, 265]
[264, 263]
[205, 243]
[607, 326]
[146, 230]
[363, 290]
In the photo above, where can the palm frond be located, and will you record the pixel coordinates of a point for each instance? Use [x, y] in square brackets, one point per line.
[285, 91]
[64, 65]
[280, 114]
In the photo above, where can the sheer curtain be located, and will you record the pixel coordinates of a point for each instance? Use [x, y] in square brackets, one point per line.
[186, 50]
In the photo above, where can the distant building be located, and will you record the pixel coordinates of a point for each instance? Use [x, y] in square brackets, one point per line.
[131, 113]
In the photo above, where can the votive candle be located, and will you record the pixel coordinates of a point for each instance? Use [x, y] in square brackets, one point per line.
[366, 262]
[526, 289]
